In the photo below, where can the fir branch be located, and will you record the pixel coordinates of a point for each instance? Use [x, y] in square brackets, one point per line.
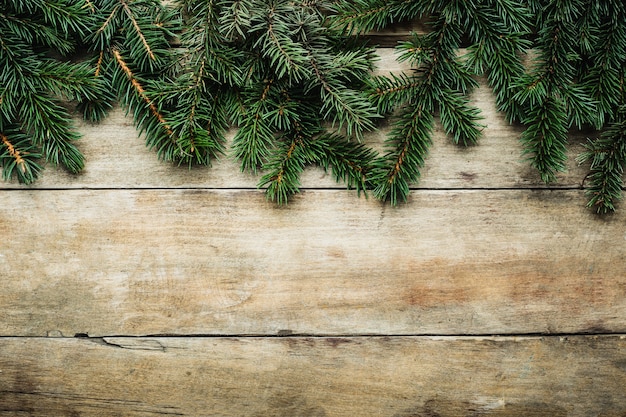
[141, 92]
[50, 127]
[410, 141]
[349, 162]
[497, 44]
[515, 17]
[440, 83]
[284, 169]
[19, 158]
[64, 15]
[14, 153]
[105, 32]
[390, 92]
[33, 32]
[545, 138]
[198, 116]
[138, 29]
[607, 155]
[285, 54]
[345, 107]
[459, 119]
[299, 75]
[72, 81]
[34, 123]
[254, 139]
[207, 47]
[548, 95]
[341, 105]
[606, 59]
[235, 20]
[361, 16]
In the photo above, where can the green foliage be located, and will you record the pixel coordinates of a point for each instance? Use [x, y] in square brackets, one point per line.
[575, 79]
[548, 96]
[272, 69]
[607, 156]
[36, 79]
[290, 84]
[131, 54]
[441, 80]
[295, 79]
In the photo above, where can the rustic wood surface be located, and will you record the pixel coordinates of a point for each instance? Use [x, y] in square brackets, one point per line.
[144, 262]
[314, 377]
[331, 306]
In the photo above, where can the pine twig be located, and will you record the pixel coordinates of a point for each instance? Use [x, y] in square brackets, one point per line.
[14, 153]
[142, 93]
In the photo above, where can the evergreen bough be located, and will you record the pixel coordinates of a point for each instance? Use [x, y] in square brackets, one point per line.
[35, 81]
[295, 78]
[575, 80]
[273, 69]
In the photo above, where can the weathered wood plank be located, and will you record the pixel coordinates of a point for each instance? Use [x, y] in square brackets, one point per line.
[400, 31]
[117, 158]
[314, 377]
[146, 262]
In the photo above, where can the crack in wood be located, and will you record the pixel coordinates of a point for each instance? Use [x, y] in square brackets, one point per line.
[83, 401]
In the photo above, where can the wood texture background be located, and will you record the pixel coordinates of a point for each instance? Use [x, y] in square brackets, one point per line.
[138, 288]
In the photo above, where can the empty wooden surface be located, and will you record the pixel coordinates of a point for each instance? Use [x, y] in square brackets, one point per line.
[314, 377]
[142, 262]
[333, 305]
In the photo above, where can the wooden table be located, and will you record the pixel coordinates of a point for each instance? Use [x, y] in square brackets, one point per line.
[138, 288]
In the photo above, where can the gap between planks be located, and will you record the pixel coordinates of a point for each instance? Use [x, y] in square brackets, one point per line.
[434, 336]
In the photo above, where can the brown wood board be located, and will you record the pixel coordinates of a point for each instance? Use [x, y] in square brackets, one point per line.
[314, 377]
[145, 262]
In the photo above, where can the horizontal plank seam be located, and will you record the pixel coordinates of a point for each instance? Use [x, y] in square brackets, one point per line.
[417, 189]
[103, 339]
[378, 335]
[347, 335]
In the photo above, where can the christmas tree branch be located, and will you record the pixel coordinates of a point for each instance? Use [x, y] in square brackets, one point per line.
[608, 157]
[138, 30]
[275, 44]
[546, 95]
[349, 162]
[282, 178]
[497, 45]
[254, 139]
[14, 153]
[401, 166]
[141, 92]
[35, 32]
[458, 118]
[105, 30]
[438, 83]
[19, 157]
[352, 110]
[361, 16]
[545, 138]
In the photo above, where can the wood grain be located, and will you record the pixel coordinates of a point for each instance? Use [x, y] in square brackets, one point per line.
[399, 32]
[146, 262]
[314, 377]
[134, 246]
[117, 158]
